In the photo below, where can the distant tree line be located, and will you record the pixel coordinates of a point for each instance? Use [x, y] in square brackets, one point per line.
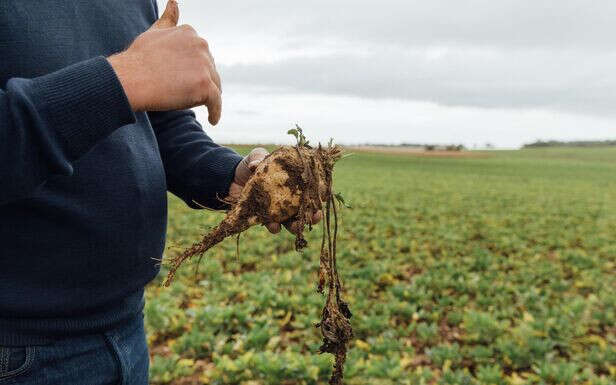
[427, 147]
[449, 147]
[576, 143]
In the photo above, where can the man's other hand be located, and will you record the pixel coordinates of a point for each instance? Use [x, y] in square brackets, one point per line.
[169, 68]
[244, 171]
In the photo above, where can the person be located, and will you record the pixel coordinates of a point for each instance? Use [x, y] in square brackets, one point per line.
[92, 136]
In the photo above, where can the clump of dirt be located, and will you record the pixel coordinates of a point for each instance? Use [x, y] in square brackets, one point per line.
[288, 186]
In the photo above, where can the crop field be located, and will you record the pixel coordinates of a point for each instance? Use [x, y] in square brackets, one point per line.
[497, 269]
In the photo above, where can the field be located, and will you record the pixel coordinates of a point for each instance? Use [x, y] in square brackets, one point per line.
[497, 269]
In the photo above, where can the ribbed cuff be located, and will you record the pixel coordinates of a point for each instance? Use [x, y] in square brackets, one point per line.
[216, 177]
[84, 103]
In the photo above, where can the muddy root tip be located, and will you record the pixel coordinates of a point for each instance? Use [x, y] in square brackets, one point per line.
[169, 278]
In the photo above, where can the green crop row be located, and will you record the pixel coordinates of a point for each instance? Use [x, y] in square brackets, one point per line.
[497, 268]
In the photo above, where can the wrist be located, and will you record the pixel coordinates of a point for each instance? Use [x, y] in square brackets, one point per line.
[124, 67]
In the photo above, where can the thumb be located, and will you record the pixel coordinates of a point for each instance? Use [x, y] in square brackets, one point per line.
[170, 17]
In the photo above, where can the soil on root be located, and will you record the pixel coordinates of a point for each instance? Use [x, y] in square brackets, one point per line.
[307, 171]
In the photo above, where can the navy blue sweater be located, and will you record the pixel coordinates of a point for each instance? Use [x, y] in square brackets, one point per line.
[83, 178]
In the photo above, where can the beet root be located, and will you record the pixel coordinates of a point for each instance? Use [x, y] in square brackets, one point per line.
[288, 186]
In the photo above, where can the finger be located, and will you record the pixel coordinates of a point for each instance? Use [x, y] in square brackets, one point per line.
[235, 190]
[243, 171]
[212, 65]
[252, 166]
[316, 217]
[273, 228]
[258, 153]
[209, 59]
[213, 103]
[255, 157]
[214, 73]
[216, 78]
[170, 16]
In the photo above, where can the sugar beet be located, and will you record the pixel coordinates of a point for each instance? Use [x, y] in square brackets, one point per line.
[288, 186]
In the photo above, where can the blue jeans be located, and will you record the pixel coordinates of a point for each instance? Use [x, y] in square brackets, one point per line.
[115, 357]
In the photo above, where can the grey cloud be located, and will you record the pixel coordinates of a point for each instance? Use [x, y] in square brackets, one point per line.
[560, 80]
[581, 24]
[245, 112]
[555, 54]
[519, 60]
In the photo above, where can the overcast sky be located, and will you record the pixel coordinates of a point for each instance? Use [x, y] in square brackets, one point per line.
[473, 71]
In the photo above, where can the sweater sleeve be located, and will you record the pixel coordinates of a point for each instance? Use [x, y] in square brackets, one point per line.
[198, 170]
[49, 122]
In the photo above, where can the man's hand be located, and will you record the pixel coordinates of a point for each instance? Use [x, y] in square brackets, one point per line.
[169, 68]
[243, 171]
